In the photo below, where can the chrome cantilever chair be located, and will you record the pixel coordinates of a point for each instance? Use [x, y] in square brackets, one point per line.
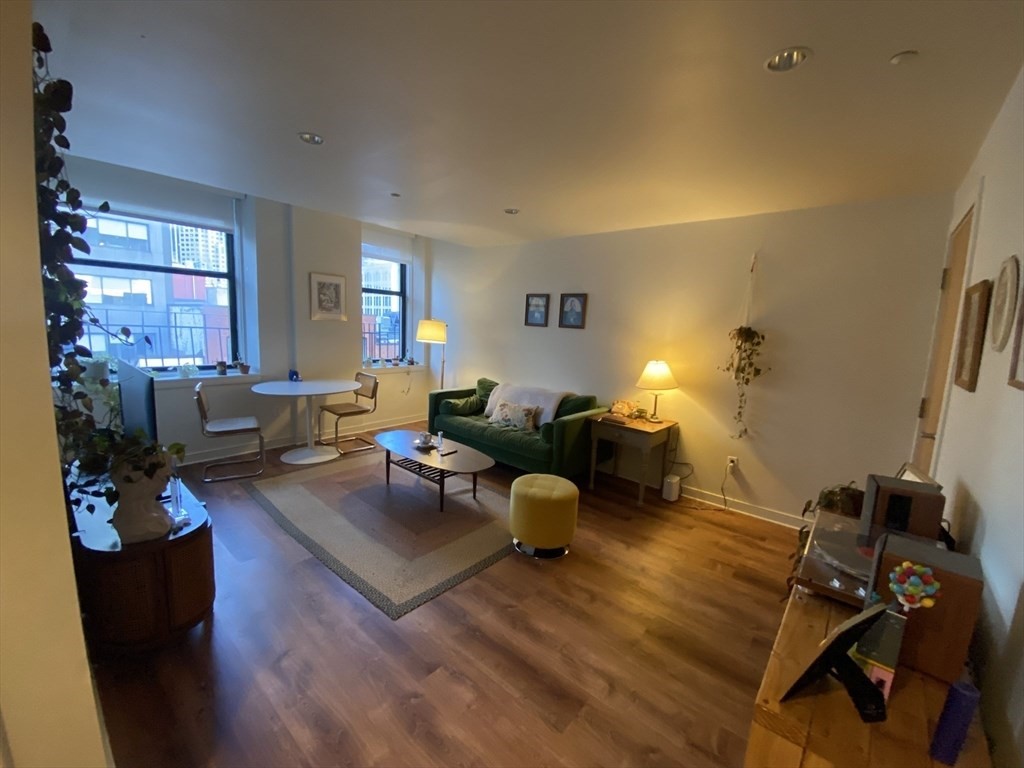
[367, 391]
[239, 425]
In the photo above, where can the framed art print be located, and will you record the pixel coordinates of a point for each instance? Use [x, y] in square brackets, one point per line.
[326, 297]
[537, 309]
[572, 310]
[1017, 356]
[1004, 303]
[972, 335]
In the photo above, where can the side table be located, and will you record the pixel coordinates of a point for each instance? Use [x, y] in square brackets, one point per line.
[140, 596]
[634, 433]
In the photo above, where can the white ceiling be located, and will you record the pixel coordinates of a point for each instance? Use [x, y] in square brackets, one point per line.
[587, 116]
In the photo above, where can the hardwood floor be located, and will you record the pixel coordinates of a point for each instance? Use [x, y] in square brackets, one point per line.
[644, 646]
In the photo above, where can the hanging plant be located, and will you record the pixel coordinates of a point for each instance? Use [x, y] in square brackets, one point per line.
[93, 448]
[746, 346]
[743, 366]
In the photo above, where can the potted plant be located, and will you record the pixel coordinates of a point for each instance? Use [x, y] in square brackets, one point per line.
[90, 450]
[743, 366]
[242, 366]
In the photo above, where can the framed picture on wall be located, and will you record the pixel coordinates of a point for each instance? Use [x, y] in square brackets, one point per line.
[1004, 303]
[1017, 356]
[326, 297]
[972, 335]
[537, 309]
[572, 310]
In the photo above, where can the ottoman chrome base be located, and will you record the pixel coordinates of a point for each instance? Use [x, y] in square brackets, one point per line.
[552, 553]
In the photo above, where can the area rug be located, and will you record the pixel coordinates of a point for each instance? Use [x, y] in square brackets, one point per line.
[389, 542]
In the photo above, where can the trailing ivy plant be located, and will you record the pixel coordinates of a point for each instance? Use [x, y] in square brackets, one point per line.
[92, 447]
[743, 366]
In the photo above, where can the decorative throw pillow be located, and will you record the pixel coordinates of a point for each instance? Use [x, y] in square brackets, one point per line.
[484, 387]
[461, 406]
[522, 417]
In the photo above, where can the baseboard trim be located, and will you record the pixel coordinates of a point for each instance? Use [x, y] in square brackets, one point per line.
[744, 508]
[221, 448]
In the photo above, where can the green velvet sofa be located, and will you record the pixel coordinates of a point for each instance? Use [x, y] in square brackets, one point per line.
[559, 447]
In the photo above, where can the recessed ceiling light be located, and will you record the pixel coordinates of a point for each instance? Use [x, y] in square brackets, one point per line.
[311, 138]
[904, 57]
[511, 211]
[787, 59]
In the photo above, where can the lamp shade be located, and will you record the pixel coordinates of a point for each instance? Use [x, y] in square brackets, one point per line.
[432, 332]
[657, 376]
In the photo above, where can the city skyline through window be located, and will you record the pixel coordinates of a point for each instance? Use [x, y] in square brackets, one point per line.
[170, 282]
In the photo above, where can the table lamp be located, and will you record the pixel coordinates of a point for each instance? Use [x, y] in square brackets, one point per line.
[434, 332]
[657, 376]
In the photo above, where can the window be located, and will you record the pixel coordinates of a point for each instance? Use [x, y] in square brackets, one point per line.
[174, 283]
[384, 299]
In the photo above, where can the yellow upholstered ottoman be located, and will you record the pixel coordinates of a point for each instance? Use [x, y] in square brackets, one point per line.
[542, 515]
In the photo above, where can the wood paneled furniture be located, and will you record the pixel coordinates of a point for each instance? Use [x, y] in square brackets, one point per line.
[821, 727]
[140, 596]
[635, 433]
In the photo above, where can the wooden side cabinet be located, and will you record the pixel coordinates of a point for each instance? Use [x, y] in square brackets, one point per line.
[140, 596]
[634, 433]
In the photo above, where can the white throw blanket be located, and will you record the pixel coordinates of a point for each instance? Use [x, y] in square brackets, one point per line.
[545, 399]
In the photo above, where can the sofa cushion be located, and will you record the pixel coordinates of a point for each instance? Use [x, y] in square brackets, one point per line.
[500, 443]
[546, 399]
[514, 415]
[461, 406]
[575, 404]
[484, 387]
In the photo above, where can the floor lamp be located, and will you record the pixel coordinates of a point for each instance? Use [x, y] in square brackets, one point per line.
[434, 332]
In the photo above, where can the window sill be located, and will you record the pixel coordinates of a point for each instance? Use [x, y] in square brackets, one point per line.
[171, 380]
[379, 370]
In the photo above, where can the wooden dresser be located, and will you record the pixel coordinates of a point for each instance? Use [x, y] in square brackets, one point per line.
[820, 726]
[141, 596]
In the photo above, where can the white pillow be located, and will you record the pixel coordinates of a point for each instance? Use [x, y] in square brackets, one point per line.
[522, 417]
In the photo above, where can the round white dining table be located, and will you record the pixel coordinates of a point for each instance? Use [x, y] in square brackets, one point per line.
[309, 453]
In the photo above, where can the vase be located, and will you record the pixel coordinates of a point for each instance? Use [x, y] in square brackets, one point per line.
[139, 514]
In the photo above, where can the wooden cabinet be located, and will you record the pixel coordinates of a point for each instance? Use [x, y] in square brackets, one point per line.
[140, 596]
[821, 727]
[645, 436]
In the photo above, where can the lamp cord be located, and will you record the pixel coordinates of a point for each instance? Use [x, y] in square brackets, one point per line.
[725, 477]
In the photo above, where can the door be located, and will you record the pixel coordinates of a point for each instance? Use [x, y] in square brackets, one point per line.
[942, 344]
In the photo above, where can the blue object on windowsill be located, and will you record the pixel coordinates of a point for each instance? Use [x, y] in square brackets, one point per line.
[293, 375]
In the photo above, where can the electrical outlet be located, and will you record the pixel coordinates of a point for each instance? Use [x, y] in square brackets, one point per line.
[731, 463]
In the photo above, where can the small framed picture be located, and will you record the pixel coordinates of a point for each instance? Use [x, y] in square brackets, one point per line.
[1017, 357]
[572, 310]
[537, 309]
[1004, 303]
[326, 297]
[972, 335]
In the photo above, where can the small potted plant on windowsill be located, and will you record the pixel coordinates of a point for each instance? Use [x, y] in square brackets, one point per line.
[243, 367]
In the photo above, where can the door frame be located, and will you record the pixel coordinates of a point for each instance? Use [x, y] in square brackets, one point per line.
[947, 390]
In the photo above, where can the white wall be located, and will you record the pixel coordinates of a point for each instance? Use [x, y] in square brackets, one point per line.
[981, 454]
[48, 707]
[846, 296]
